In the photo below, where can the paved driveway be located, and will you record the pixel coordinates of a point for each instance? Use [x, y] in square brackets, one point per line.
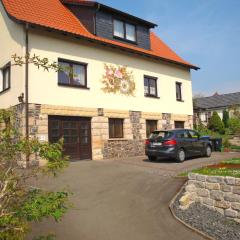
[122, 200]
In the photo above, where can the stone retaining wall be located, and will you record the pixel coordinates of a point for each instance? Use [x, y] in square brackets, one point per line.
[218, 193]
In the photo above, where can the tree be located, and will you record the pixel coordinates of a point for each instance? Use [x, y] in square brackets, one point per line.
[225, 118]
[215, 123]
[234, 125]
[21, 204]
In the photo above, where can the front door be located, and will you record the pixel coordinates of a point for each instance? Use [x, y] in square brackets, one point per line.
[76, 133]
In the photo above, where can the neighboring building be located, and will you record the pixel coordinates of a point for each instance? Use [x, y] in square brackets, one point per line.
[126, 82]
[205, 106]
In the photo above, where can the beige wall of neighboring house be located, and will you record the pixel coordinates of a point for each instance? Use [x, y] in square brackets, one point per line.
[11, 42]
[46, 45]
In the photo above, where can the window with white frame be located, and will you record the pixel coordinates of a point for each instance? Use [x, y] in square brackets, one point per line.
[124, 30]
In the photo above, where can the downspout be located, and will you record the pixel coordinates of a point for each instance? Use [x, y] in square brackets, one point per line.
[26, 86]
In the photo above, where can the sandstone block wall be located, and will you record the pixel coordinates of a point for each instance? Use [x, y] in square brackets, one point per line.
[102, 146]
[218, 193]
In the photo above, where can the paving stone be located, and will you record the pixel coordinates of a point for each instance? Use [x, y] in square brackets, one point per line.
[190, 188]
[212, 186]
[230, 180]
[236, 190]
[203, 193]
[232, 197]
[197, 184]
[201, 178]
[225, 188]
[214, 179]
[230, 213]
[235, 206]
[208, 201]
[222, 204]
[216, 195]
[192, 176]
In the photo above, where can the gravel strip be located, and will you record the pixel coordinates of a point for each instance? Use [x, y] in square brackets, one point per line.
[208, 221]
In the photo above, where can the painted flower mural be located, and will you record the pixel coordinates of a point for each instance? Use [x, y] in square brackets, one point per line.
[118, 80]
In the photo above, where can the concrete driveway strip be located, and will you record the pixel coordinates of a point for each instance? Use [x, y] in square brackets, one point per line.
[117, 201]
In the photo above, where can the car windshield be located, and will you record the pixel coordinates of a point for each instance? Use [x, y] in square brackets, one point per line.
[161, 135]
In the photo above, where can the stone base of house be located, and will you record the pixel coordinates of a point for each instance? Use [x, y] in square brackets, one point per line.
[102, 147]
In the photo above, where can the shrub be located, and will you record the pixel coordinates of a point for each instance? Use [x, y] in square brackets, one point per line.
[21, 204]
[234, 125]
[225, 118]
[226, 143]
[215, 123]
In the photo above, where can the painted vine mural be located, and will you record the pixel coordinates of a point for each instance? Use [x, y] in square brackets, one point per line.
[117, 79]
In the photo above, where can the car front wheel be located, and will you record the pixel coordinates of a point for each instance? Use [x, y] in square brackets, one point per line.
[208, 151]
[181, 156]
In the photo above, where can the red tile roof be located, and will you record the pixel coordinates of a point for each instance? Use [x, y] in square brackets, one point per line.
[54, 15]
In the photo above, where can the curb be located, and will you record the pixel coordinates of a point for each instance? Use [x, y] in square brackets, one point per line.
[181, 221]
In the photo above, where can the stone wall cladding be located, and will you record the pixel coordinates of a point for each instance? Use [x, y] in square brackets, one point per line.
[218, 193]
[133, 144]
[102, 147]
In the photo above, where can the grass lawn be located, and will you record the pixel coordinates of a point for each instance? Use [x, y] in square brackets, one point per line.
[221, 171]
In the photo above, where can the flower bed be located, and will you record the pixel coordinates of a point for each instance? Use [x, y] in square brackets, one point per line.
[227, 168]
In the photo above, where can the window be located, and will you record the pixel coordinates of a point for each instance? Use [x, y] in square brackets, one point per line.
[130, 32]
[151, 126]
[119, 29]
[124, 30]
[115, 128]
[179, 91]
[179, 124]
[5, 76]
[72, 73]
[150, 86]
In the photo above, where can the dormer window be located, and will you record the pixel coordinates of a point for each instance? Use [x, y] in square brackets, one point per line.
[125, 31]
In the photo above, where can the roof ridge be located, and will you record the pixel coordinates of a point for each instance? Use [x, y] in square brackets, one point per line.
[219, 95]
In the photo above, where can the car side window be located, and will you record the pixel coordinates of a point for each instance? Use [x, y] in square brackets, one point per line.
[193, 134]
[182, 134]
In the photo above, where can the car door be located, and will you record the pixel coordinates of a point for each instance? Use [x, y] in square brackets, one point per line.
[184, 141]
[197, 145]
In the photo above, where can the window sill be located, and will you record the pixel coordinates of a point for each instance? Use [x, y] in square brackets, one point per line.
[180, 100]
[118, 139]
[151, 96]
[73, 86]
[4, 91]
[125, 40]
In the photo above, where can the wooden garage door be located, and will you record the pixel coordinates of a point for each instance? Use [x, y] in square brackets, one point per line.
[76, 133]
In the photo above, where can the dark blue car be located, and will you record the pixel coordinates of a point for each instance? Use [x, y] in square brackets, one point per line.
[177, 144]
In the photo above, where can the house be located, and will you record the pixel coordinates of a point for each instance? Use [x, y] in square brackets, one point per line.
[205, 106]
[123, 80]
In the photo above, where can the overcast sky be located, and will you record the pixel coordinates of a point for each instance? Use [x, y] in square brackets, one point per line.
[204, 32]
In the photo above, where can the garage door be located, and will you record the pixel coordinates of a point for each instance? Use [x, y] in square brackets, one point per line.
[76, 133]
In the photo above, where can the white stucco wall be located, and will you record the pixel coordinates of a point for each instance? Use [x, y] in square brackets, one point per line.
[45, 90]
[11, 42]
